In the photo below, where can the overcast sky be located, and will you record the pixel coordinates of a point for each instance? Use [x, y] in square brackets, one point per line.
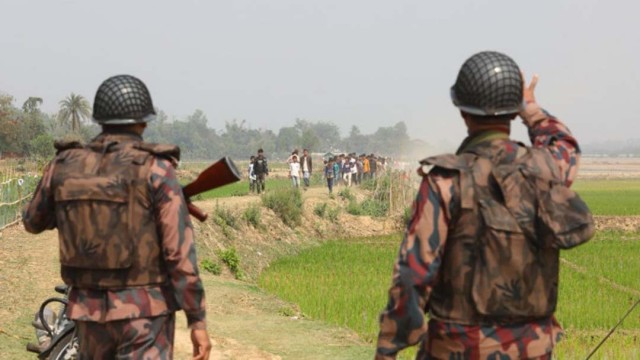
[368, 63]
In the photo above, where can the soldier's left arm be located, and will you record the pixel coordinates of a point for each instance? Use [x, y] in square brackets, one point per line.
[176, 233]
[402, 323]
[39, 214]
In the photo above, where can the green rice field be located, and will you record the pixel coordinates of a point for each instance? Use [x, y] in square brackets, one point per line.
[241, 188]
[345, 282]
[610, 197]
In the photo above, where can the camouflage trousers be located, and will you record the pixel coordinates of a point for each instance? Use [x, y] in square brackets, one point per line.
[131, 339]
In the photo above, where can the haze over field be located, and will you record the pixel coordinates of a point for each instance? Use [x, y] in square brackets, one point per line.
[368, 63]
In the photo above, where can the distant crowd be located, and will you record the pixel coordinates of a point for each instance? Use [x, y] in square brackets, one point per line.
[339, 170]
[352, 169]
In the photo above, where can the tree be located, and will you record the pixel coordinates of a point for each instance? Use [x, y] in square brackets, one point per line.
[32, 105]
[74, 109]
[309, 140]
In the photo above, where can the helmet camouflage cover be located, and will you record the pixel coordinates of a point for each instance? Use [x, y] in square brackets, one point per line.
[489, 84]
[123, 99]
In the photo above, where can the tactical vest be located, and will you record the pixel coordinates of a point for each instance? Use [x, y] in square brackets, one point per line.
[105, 212]
[513, 215]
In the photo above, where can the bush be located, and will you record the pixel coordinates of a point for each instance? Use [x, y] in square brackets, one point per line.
[287, 204]
[333, 213]
[211, 267]
[354, 208]
[224, 216]
[252, 215]
[346, 194]
[370, 207]
[375, 208]
[230, 258]
[320, 209]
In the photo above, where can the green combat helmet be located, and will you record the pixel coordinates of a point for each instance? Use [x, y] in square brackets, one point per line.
[123, 99]
[489, 84]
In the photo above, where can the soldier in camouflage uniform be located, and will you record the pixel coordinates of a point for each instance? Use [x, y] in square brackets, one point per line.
[126, 240]
[480, 253]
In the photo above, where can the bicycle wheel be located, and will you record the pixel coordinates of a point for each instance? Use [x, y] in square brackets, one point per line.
[66, 348]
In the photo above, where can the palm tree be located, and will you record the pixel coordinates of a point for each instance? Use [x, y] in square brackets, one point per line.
[74, 108]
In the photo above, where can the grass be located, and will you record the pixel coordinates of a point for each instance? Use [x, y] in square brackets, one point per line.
[610, 197]
[286, 203]
[11, 191]
[358, 272]
[241, 188]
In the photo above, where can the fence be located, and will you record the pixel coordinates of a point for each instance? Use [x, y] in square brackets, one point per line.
[17, 183]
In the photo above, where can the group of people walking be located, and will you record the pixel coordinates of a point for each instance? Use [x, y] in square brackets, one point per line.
[351, 169]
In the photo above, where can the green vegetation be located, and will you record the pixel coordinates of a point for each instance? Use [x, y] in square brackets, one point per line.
[224, 217]
[15, 189]
[610, 197]
[323, 210]
[230, 258]
[21, 125]
[358, 272]
[388, 193]
[286, 203]
[252, 215]
[320, 209]
[241, 188]
[211, 267]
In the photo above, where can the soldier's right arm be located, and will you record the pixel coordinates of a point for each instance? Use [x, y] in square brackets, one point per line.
[546, 131]
[39, 214]
[176, 234]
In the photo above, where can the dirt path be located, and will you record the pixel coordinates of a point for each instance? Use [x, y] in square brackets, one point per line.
[244, 322]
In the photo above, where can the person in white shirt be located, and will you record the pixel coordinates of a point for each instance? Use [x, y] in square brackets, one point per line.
[294, 167]
[252, 175]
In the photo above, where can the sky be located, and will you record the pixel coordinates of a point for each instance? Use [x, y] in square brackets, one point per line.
[368, 63]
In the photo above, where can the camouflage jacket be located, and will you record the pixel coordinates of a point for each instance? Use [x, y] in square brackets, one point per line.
[183, 290]
[420, 260]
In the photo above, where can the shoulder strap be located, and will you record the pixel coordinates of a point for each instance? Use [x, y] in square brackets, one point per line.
[62, 145]
[463, 164]
[167, 151]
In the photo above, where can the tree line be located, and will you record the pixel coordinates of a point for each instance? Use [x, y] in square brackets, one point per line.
[29, 132]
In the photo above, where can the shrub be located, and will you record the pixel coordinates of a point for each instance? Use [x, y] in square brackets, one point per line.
[346, 194]
[354, 208]
[230, 258]
[211, 267]
[332, 214]
[252, 215]
[287, 204]
[374, 207]
[224, 216]
[320, 209]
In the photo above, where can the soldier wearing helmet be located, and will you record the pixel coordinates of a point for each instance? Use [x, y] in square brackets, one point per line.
[480, 253]
[126, 240]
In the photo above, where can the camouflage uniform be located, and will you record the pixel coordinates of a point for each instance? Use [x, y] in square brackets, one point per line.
[122, 300]
[425, 281]
[261, 170]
